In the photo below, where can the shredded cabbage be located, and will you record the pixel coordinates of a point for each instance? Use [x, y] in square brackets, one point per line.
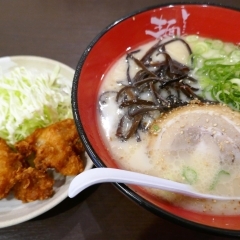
[217, 66]
[32, 99]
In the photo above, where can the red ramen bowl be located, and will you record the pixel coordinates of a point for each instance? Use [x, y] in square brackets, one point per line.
[210, 21]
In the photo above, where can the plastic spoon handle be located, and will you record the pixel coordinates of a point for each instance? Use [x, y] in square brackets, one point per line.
[101, 175]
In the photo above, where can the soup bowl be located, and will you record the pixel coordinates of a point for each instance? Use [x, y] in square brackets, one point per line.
[114, 41]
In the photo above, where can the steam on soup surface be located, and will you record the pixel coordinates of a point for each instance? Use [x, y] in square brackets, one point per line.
[170, 109]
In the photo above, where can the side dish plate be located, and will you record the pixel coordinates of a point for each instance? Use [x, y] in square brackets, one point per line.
[13, 211]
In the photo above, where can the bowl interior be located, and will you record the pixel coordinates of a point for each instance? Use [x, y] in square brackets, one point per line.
[207, 21]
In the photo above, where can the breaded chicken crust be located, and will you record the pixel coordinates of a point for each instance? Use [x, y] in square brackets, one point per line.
[10, 165]
[33, 184]
[56, 146]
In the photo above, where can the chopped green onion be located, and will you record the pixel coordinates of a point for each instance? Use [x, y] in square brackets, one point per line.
[217, 178]
[192, 38]
[200, 47]
[217, 44]
[217, 66]
[189, 175]
[155, 128]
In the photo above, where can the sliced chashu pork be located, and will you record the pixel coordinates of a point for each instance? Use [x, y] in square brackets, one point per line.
[199, 144]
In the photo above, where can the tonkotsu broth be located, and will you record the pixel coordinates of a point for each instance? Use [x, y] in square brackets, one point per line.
[134, 155]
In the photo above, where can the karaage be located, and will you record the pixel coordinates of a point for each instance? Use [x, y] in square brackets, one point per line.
[56, 146]
[32, 185]
[10, 165]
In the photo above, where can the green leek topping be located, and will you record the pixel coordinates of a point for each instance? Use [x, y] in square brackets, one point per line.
[189, 175]
[217, 178]
[155, 128]
[217, 66]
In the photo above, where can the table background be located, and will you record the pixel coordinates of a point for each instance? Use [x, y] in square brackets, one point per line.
[61, 30]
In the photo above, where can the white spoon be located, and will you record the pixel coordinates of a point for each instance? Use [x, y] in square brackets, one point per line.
[101, 175]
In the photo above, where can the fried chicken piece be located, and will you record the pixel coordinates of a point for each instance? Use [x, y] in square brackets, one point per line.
[56, 146]
[33, 184]
[10, 165]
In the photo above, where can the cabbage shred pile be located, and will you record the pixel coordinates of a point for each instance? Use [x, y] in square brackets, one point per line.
[31, 99]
